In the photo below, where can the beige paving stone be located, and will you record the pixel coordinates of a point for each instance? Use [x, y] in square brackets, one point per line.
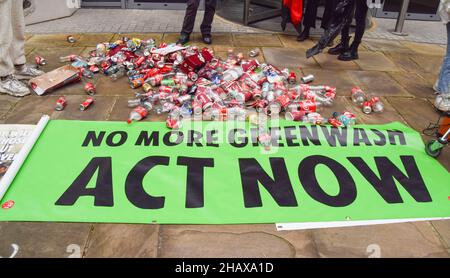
[143, 36]
[52, 56]
[411, 240]
[327, 61]
[98, 111]
[413, 83]
[51, 40]
[443, 229]
[377, 83]
[6, 104]
[394, 47]
[424, 48]
[292, 58]
[93, 39]
[123, 241]
[236, 241]
[43, 240]
[31, 108]
[271, 40]
[428, 63]
[429, 77]
[291, 42]
[375, 61]
[418, 113]
[404, 62]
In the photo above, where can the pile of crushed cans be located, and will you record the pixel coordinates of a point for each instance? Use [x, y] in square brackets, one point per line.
[193, 83]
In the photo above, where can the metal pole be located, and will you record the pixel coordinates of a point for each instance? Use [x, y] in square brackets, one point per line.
[401, 19]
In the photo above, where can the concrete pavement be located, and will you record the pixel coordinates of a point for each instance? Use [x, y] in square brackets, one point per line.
[402, 73]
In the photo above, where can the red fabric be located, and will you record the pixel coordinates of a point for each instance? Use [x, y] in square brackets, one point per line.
[296, 10]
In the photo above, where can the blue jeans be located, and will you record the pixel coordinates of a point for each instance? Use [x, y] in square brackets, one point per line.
[444, 76]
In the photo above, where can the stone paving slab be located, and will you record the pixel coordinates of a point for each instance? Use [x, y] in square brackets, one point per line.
[377, 83]
[52, 56]
[327, 61]
[123, 241]
[404, 62]
[443, 228]
[285, 57]
[337, 78]
[418, 113]
[235, 241]
[375, 61]
[395, 240]
[49, 240]
[266, 40]
[424, 48]
[6, 104]
[413, 83]
[429, 63]
[52, 40]
[386, 46]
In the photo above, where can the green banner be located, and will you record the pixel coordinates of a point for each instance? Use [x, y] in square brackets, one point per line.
[217, 173]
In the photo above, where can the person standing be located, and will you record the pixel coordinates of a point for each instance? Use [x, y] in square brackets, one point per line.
[310, 17]
[345, 51]
[13, 65]
[442, 86]
[189, 20]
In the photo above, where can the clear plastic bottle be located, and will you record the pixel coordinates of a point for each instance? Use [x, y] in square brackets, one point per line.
[377, 105]
[120, 73]
[358, 96]
[137, 114]
[232, 73]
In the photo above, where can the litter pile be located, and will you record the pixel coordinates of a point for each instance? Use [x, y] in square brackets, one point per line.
[189, 82]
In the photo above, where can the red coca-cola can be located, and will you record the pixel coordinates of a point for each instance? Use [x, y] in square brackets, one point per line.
[90, 89]
[204, 99]
[307, 106]
[192, 76]
[40, 61]
[295, 115]
[292, 79]
[197, 108]
[61, 103]
[173, 123]
[86, 103]
[165, 89]
[284, 100]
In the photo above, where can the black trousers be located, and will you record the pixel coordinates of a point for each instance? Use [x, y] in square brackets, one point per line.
[191, 12]
[310, 15]
[360, 12]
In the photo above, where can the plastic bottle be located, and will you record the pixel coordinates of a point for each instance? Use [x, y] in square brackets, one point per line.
[377, 105]
[358, 96]
[137, 114]
[232, 73]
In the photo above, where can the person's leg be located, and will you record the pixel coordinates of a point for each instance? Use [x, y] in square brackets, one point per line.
[189, 20]
[17, 49]
[360, 18]
[345, 34]
[210, 10]
[443, 99]
[309, 19]
[330, 5]
[6, 36]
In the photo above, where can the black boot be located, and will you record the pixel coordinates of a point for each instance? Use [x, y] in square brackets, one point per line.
[303, 35]
[184, 38]
[350, 54]
[340, 48]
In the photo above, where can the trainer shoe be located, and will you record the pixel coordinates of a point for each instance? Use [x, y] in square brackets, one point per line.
[11, 86]
[26, 72]
[442, 102]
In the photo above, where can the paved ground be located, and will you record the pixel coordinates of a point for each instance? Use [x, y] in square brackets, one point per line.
[401, 72]
[145, 21]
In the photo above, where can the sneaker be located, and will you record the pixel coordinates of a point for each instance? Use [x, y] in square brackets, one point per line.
[11, 86]
[442, 102]
[27, 72]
